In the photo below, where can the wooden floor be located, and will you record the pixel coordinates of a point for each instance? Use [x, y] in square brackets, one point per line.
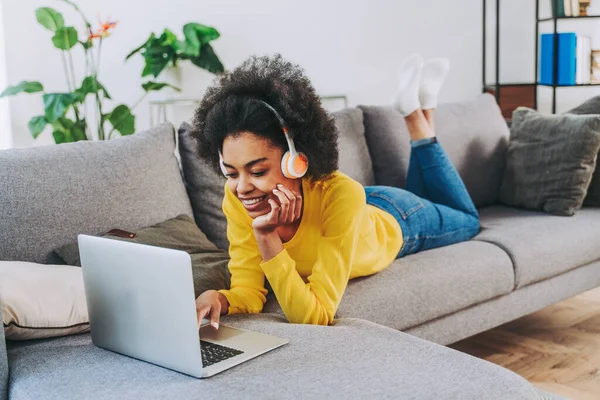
[557, 349]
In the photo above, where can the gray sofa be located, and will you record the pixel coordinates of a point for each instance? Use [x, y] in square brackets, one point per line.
[388, 337]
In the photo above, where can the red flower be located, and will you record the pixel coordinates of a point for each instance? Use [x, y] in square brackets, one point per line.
[104, 30]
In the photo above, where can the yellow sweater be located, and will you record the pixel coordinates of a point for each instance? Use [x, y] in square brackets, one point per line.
[340, 237]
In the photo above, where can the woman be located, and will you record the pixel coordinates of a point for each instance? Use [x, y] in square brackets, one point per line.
[302, 224]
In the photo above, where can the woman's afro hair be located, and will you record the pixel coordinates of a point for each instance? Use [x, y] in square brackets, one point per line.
[232, 105]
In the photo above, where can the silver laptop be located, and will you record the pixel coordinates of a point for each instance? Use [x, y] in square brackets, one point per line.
[141, 304]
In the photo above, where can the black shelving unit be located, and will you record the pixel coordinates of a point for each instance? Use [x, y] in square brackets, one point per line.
[497, 87]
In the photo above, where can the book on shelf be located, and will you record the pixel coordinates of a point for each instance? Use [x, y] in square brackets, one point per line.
[567, 58]
[595, 66]
[574, 59]
[583, 60]
[571, 8]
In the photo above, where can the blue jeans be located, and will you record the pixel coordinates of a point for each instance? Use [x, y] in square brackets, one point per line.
[435, 210]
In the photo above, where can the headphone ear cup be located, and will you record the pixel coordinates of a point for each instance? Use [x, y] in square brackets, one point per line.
[223, 169]
[284, 165]
[298, 165]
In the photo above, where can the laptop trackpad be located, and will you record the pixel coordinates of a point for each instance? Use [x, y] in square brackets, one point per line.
[223, 334]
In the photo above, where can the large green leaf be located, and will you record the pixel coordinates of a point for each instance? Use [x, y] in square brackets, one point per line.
[159, 52]
[65, 38]
[150, 39]
[208, 60]
[23, 86]
[49, 18]
[67, 130]
[122, 120]
[57, 104]
[157, 60]
[90, 85]
[60, 137]
[155, 86]
[36, 125]
[195, 36]
[200, 33]
[78, 131]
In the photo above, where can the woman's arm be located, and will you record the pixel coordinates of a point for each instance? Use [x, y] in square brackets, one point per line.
[247, 293]
[317, 301]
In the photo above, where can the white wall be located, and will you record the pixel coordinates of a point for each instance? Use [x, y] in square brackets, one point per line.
[5, 128]
[352, 47]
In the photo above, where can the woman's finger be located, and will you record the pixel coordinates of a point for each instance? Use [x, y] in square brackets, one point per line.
[298, 207]
[292, 211]
[274, 215]
[215, 313]
[285, 205]
[201, 314]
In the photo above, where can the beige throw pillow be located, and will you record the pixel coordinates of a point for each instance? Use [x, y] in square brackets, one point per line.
[40, 301]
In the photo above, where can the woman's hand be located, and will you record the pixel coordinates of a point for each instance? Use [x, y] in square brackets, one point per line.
[211, 302]
[287, 211]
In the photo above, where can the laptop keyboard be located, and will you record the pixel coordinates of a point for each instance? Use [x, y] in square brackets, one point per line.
[214, 353]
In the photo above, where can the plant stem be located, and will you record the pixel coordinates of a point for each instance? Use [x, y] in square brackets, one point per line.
[72, 70]
[99, 56]
[139, 101]
[87, 23]
[66, 69]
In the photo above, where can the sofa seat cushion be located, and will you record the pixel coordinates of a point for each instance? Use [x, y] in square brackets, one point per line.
[541, 245]
[427, 285]
[354, 359]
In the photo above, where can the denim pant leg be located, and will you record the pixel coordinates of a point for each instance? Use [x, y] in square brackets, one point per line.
[427, 224]
[432, 176]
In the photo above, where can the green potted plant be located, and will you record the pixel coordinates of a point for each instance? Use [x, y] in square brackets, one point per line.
[167, 50]
[65, 113]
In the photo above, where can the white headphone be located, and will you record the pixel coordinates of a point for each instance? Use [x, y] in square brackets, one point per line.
[294, 164]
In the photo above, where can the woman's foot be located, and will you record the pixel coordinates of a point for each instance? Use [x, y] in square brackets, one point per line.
[432, 78]
[406, 100]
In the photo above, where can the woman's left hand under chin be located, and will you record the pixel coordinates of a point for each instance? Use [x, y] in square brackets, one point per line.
[287, 210]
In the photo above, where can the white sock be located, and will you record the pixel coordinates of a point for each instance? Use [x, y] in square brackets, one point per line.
[406, 100]
[432, 79]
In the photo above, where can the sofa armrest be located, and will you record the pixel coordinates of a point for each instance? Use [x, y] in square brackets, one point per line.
[3, 363]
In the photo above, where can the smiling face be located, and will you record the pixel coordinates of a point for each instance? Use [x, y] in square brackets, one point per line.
[253, 166]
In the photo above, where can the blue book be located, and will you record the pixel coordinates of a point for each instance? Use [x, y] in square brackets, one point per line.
[567, 58]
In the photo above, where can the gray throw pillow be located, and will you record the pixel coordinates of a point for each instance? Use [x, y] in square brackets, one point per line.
[591, 106]
[550, 161]
[209, 263]
[205, 190]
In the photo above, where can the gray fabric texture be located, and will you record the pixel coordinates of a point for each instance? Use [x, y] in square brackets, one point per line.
[352, 360]
[209, 263]
[205, 189]
[3, 363]
[355, 160]
[52, 193]
[495, 312]
[550, 161]
[473, 133]
[591, 106]
[541, 245]
[427, 285]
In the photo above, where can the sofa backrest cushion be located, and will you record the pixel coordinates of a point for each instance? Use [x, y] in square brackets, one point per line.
[473, 133]
[205, 186]
[50, 194]
[205, 189]
[355, 160]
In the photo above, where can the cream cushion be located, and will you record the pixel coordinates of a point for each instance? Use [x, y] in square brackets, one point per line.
[41, 301]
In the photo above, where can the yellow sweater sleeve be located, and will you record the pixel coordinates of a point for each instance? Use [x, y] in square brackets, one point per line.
[317, 301]
[247, 293]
